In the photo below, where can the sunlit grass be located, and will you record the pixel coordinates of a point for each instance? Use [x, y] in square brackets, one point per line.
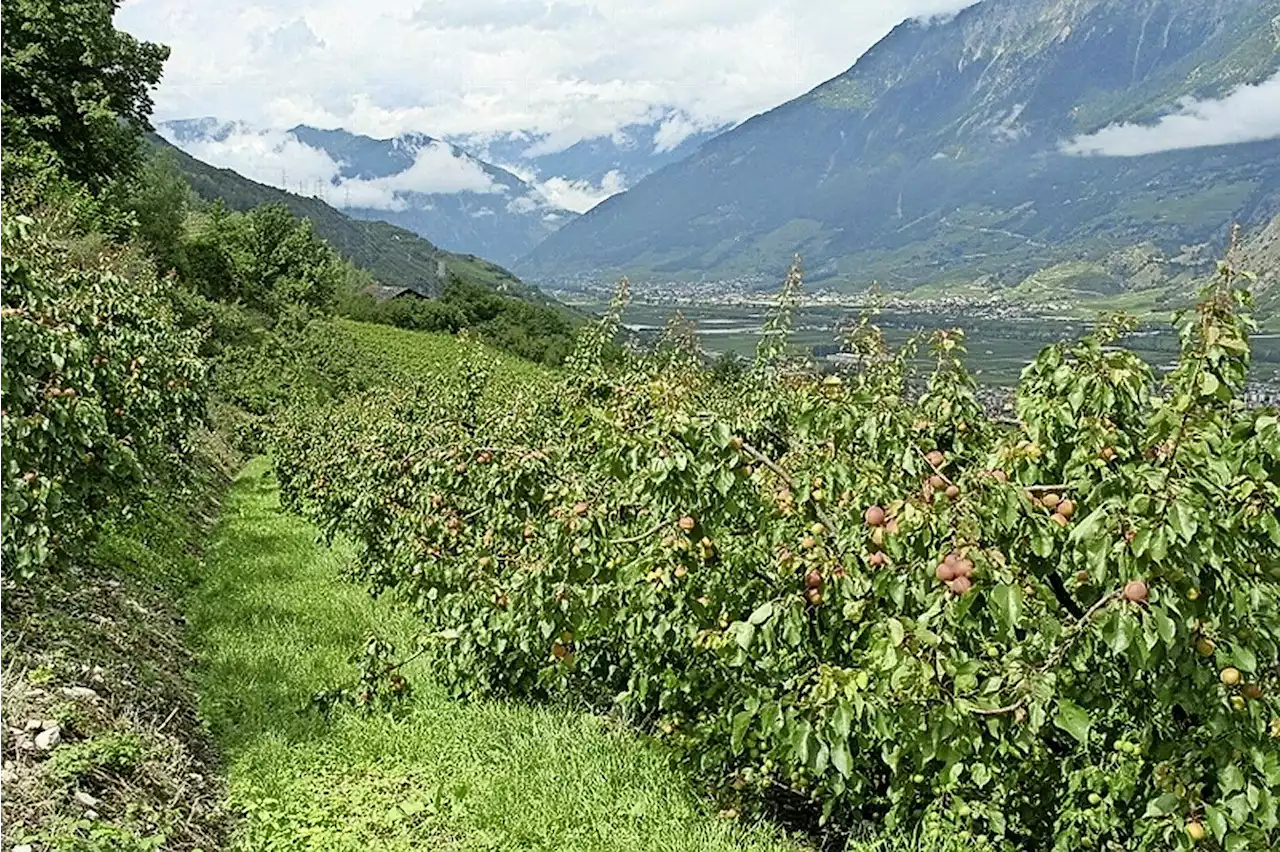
[275, 623]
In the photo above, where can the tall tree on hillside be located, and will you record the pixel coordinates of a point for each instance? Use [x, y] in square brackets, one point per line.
[76, 87]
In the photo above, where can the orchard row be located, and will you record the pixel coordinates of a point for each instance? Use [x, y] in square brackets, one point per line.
[1056, 634]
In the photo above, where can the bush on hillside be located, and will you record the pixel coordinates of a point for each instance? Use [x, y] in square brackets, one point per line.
[265, 259]
[100, 385]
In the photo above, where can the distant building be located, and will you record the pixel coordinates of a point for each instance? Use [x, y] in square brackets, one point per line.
[382, 293]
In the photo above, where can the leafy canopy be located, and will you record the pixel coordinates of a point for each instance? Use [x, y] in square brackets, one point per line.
[75, 87]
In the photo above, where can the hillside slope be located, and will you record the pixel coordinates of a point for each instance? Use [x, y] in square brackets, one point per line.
[393, 255]
[942, 155]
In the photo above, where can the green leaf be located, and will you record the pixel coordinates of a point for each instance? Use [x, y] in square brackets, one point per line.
[1159, 548]
[1231, 779]
[1244, 659]
[842, 719]
[761, 614]
[800, 741]
[1008, 601]
[769, 715]
[1217, 822]
[1073, 719]
[1165, 626]
[896, 633]
[1041, 543]
[1087, 528]
[1165, 803]
[743, 632]
[740, 724]
[1184, 521]
[840, 758]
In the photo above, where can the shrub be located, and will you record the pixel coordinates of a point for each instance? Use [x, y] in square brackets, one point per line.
[99, 384]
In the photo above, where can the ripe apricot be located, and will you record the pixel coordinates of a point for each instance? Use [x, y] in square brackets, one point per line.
[960, 585]
[1066, 509]
[1059, 519]
[1195, 831]
[1230, 676]
[936, 458]
[964, 568]
[814, 597]
[1050, 500]
[953, 491]
[945, 572]
[999, 476]
[874, 516]
[813, 579]
[1251, 691]
[878, 558]
[937, 483]
[687, 523]
[1135, 591]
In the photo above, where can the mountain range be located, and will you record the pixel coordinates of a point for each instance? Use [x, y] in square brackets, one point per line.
[426, 185]
[1087, 149]
[1114, 141]
[495, 196]
[602, 165]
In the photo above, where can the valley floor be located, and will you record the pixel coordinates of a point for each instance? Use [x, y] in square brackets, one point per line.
[273, 622]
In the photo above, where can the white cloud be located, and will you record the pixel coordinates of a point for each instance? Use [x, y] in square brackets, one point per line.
[566, 193]
[581, 195]
[676, 128]
[572, 68]
[438, 169]
[1249, 114]
[279, 159]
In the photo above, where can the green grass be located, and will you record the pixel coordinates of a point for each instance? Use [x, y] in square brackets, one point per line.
[273, 623]
[419, 354]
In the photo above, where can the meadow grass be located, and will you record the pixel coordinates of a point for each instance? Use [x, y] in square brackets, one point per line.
[273, 622]
[420, 354]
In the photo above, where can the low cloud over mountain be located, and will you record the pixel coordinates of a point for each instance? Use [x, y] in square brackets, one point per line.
[1250, 113]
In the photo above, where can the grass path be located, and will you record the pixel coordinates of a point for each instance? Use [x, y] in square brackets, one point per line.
[273, 623]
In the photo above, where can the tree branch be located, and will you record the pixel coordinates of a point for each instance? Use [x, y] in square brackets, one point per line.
[1055, 657]
[773, 466]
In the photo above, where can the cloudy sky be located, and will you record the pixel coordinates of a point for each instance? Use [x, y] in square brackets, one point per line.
[571, 68]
